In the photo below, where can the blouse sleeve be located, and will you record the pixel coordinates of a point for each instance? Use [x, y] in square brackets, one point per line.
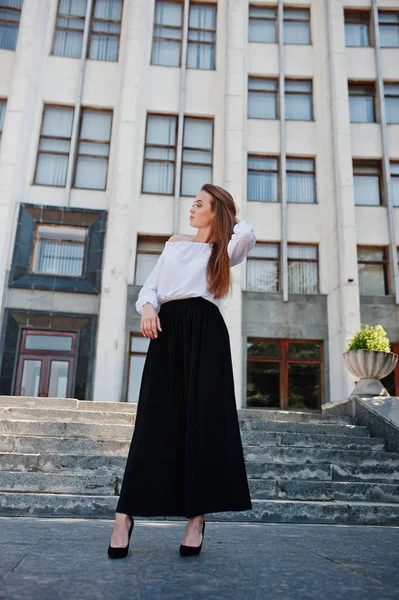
[241, 242]
[148, 292]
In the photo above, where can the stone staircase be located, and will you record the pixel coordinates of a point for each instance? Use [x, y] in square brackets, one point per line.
[65, 458]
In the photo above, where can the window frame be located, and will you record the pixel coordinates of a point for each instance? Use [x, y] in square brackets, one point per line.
[387, 23]
[275, 19]
[388, 95]
[36, 241]
[296, 93]
[118, 35]
[80, 139]
[364, 163]
[308, 260]
[283, 360]
[384, 262]
[362, 85]
[293, 8]
[268, 259]
[143, 239]
[199, 3]
[155, 25]
[197, 118]
[153, 114]
[274, 92]
[287, 170]
[89, 40]
[359, 17]
[277, 171]
[6, 21]
[52, 137]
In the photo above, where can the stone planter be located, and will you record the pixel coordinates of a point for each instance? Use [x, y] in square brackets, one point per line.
[370, 366]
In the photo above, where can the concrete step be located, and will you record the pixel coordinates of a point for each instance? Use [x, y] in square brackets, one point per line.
[320, 455]
[76, 442]
[114, 465]
[263, 438]
[67, 403]
[322, 472]
[21, 413]
[91, 431]
[313, 416]
[121, 431]
[63, 445]
[54, 462]
[321, 490]
[105, 483]
[271, 511]
[304, 427]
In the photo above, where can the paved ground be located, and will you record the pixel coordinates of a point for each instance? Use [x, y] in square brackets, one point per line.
[52, 559]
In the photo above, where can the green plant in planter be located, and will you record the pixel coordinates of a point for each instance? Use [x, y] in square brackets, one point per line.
[370, 338]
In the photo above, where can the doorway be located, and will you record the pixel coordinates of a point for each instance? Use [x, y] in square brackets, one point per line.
[46, 363]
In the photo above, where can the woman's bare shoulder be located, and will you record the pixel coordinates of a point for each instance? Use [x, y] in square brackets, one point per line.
[180, 238]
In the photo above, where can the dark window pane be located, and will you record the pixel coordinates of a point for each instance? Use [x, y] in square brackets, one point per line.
[263, 384]
[303, 351]
[303, 386]
[263, 349]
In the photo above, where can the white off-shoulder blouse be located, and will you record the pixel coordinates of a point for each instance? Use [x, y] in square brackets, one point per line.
[181, 268]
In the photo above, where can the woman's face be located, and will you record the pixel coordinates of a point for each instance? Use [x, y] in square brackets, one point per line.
[201, 213]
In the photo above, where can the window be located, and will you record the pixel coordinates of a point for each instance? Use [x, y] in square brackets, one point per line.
[93, 149]
[361, 103]
[69, 28]
[301, 180]
[372, 267]
[59, 250]
[54, 146]
[10, 16]
[148, 252]
[160, 154]
[105, 28]
[284, 374]
[367, 183]
[197, 155]
[166, 46]
[395, 182]
[263, 268]
[138, 351]
[296, 26]
[391, 91]
[389, 29]
[262, 24]
[298, 100]
[2, 115]
[262, 98]
[262, 178]
[201, 36]
[302, 269]
[357, 28]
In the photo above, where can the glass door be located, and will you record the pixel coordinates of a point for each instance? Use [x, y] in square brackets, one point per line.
[45, 364]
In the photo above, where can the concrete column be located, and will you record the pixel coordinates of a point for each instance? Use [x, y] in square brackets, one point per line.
[339, 220]
[235, 165]
[124, 204]
[15, 144]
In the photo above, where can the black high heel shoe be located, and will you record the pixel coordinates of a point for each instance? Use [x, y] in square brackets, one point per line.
[192, 550]
[121, 552]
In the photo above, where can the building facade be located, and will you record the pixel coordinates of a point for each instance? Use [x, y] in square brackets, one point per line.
[113, 113]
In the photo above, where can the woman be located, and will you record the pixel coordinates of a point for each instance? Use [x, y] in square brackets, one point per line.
[186, 456]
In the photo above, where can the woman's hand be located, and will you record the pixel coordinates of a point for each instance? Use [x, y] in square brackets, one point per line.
[149, 321]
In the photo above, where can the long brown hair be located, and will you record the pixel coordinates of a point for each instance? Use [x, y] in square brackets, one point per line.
[218, 271]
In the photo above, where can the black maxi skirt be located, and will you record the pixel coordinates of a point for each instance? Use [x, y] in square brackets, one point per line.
[186, 456]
